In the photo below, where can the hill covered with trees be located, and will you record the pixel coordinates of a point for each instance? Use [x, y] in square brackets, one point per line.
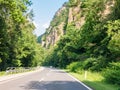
[86, 32]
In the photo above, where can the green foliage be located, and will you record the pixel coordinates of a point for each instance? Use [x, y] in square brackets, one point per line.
[0, 60]
[89, 63]
[95, 80]
[59, 18]
[2, 73]
[18, 46]
[73, 3]
[51, 58]
[39, 39]
[75, 67]
[88, 5]
[95, 44]
[112, 73]
[113, 31]
[16, 63]
[92, 39]
[115, 11]
[95, 64]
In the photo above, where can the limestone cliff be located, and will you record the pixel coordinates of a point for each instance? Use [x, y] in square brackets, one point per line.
[56, 28]
[74, 11]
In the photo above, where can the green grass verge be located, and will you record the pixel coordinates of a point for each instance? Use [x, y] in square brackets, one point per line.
[95, 81]
[2, 73]
[16, 71]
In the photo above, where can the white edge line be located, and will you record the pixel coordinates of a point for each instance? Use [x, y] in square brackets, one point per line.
[79, 81]
[41, 79]
[18, 76]
[48, 73]
[10, 79]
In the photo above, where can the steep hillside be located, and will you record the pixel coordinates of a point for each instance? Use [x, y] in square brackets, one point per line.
[64, 16]
[74, 11]
[83, 29]
[89, 34]
[56, 28]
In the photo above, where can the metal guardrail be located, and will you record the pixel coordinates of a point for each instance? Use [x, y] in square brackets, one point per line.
[13, 70]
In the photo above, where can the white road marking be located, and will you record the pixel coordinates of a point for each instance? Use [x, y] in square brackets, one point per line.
[41, 79]
[48, 73]
[17, 76]
[79, 81]
[10, 79]
[76, 80]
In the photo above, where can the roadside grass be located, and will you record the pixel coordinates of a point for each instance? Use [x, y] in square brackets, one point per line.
[95, 81]
[16, 71]
[2, 73]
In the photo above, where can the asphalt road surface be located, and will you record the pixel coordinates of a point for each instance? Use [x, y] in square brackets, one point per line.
[46, 79]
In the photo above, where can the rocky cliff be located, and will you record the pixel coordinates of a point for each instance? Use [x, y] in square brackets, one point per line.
[56, 28]
[74, 11]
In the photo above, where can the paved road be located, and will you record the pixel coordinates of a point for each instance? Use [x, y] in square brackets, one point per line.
[47, 79]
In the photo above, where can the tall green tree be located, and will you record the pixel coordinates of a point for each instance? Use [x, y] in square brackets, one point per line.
[18, 45]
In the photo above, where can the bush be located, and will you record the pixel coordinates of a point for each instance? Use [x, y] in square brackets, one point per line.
[75, 67]
[88, 63]
[95, 64]
[112, 73]
[73, 3]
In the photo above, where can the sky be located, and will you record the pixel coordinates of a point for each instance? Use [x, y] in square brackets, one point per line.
[44, 10]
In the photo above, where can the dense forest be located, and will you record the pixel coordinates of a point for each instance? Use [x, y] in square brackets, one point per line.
[18, 45]
[83, 35]
[91, 38]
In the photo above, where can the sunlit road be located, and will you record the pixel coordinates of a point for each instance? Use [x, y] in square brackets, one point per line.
[47, 79]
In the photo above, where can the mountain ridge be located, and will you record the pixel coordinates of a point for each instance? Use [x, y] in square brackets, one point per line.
[67, 14]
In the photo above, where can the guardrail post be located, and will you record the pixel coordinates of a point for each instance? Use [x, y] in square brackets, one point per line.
[85, 75]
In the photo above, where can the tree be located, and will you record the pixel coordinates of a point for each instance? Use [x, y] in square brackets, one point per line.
[113, 31]
[18, 45]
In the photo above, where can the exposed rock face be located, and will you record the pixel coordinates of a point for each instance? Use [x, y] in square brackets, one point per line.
[66, 15]
[54, 35]
[108, 7]
[54, 32]
[75, 16]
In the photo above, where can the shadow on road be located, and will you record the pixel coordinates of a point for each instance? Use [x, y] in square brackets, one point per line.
[54, 85]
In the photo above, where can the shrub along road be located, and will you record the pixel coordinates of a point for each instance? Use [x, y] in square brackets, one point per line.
[47, 79]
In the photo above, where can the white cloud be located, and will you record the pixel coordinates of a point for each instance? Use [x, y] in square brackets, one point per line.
[40, 27]
[46, 25]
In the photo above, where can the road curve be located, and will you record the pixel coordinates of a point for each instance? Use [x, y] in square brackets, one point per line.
[47, 79]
